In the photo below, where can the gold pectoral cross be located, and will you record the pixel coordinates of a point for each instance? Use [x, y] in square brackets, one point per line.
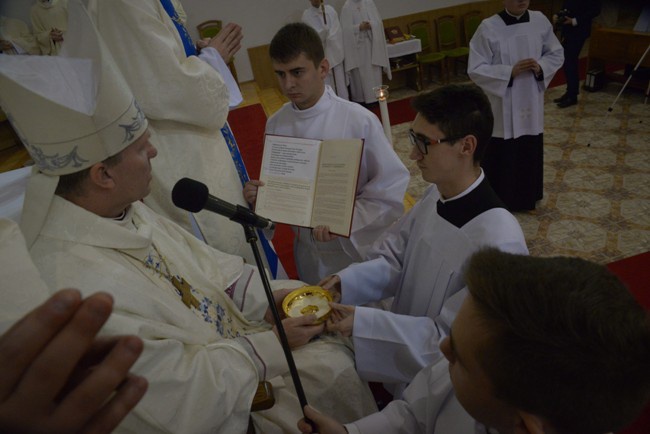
[186, 292]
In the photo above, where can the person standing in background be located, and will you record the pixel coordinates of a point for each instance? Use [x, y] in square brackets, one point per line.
[15, 37]
[575, 26]
[365, 49]
[324, 19]
[513, 56]
[49, 23]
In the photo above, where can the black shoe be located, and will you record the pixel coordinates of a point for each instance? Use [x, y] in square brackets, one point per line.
[568, 102]
[562, 98]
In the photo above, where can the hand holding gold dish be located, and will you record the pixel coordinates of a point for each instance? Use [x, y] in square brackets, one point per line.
[308, 300]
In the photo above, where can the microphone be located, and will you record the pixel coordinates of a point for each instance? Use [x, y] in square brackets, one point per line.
[193, 196]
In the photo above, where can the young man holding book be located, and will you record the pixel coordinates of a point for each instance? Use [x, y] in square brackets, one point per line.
[316, 112]
[540, 345]
[419, 260]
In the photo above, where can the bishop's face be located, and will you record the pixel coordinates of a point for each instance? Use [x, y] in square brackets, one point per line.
[315, 3]
[516, 7]
[132, 174]
[301, 81]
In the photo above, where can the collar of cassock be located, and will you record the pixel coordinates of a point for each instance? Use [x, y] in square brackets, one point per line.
[510, 19]
[460, 211]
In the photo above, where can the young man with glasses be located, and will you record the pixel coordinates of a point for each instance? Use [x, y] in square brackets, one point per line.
[420, 258]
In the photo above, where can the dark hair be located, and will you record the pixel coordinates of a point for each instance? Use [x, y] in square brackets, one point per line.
[72, 184]
[567, 341]
[296, 38]
[458, 110]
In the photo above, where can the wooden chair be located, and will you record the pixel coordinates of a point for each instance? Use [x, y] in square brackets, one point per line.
[209, 29]
[427, 57]
[471, 21]
[448, 41]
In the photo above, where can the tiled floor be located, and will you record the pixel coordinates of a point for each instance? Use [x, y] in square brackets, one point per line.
[596, 201]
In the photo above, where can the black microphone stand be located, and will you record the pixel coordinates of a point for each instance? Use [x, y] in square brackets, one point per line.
[251, 238]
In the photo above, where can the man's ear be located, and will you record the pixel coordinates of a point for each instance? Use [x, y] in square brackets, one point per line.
[468, 145]
[324, 67]
[529, 424]
[100, 176]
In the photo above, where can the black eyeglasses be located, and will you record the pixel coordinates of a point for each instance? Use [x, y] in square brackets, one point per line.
[422, 142]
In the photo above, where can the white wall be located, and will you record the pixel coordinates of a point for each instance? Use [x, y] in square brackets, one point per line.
[260, 19]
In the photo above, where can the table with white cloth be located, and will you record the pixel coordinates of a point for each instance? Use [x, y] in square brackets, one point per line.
[404, 64]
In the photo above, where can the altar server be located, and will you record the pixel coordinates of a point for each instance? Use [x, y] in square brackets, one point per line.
[364, 44]
[315, 112]
[513, 57]
[324, 19]
[419, 260]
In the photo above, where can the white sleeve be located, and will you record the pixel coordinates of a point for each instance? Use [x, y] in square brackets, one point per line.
[392, 348]
[552, 55]
[429, 406]
[492, 77]
[211, 56]
[380, 197]
[379, 276]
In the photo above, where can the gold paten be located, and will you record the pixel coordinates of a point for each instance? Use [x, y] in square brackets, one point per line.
[308, 300]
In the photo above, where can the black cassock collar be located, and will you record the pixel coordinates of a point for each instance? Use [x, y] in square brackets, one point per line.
[460, 211]
[510, 20]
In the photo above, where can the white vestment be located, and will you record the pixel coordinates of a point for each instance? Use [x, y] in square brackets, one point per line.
[495, 47]
[17, 32]
[332, 37]
[380, 190]
[46, 17]
[420, 262]
[186, 102]
[429, 406]
[20, 283]
[365, 51]
[202, 363]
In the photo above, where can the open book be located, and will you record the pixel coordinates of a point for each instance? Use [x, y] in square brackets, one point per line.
[310, 182]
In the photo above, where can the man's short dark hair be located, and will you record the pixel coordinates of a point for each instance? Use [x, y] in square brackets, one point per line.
[294, 39]
[73, 183]
[567, 341]
[458, 110]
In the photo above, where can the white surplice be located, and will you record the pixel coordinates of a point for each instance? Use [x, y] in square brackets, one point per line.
[429, 406]
[365, 51]
[202, 363]
[186, 102]
[495, 47]
[329, 30]
[420, 262]
[45, 17]
[380, 190]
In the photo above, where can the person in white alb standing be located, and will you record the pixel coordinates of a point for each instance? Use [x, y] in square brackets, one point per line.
[315, 112]
[365, 49]
[324, 19]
